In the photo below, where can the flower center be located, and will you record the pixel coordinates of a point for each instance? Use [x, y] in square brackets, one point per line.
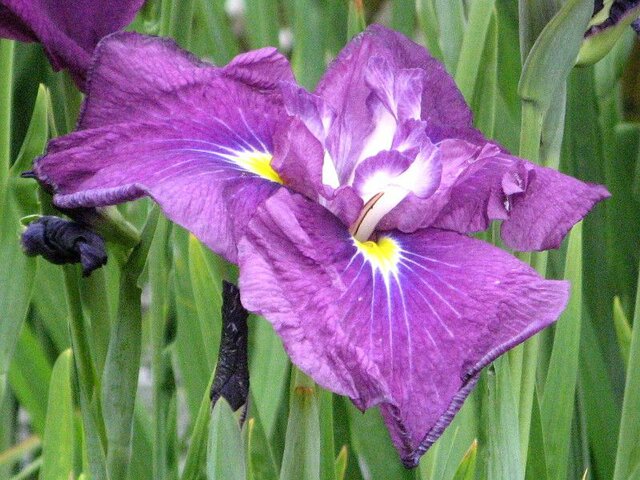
[383, 255]
[260, 164]
[373, 211]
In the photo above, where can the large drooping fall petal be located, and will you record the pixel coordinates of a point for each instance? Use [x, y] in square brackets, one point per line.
[407, 322]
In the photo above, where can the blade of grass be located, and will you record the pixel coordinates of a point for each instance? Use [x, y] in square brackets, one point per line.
[628, 454]
[341, 463]
[536, 462]
[403, 16]
[308, 44]
[217, 40]
[6, 87]
[195, 459]
[473, 45]
[26, 448]
[356, 22]
[58, 440]
[546, 66]
[28, 471]
[269, 371]
[261, 465]
[158, 268]
[29, 377]
[301, 460]
[467, 468]
[120, 379]
[372, 446]
[95, 297]
[485, 91]
[190, 355]
[17, 273]
[599, 402]
[499, 452]
[623, 330]
[327, 445]
[181, 21]
[443, 459]
[428, 22]
[451, 25]
[558, 399]
[262, 23]
[206, 284]
[225, 452]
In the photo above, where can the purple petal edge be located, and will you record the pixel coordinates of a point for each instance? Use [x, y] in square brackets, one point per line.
[469, 382]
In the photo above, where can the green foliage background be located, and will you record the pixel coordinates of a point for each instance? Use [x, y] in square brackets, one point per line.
[97, 381]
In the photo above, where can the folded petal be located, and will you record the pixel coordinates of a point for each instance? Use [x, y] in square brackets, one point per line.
[342, 85]
[69, 31]
[381, 66]
[163, 124]
[137, 76]
[264, 68]
[408, 321]
[538, 205]
[549, 205]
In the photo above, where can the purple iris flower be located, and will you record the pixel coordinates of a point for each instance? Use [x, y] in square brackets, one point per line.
[68, 30]
[347, 210]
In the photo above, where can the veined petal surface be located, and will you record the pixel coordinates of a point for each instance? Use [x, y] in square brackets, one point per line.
[68, 30]
[159, 122]
[136, 77]
[407, 322]
[382, 67]
[537, 205]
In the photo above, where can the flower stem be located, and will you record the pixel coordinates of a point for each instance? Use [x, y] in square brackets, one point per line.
[6, 80]
[81, 350]
[530, 137]
[160, 365]
[531, 131]
[95, 296]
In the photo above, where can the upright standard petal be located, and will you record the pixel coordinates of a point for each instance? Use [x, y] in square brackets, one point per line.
[407, 321]
[69, 31]
[343, 84]
[382, 68]
[158, 122]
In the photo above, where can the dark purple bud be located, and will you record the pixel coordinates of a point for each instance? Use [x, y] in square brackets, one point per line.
[231, 380]
[620, 9]
[62, 241]
[607, 25]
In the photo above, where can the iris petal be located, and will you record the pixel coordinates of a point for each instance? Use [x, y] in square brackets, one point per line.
[68, 31]
[196, 138]
[408, 326]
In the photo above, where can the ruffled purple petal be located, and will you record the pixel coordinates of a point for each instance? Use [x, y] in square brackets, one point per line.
[158, 122]
[550, 204]
[12, 27]
[343, 84]
[537, 205]
[410, 327]
[264, 68]
[68, 30]
[400, 91]
[298, 158]
[136, 76]
[280, 275]
[310, 109]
